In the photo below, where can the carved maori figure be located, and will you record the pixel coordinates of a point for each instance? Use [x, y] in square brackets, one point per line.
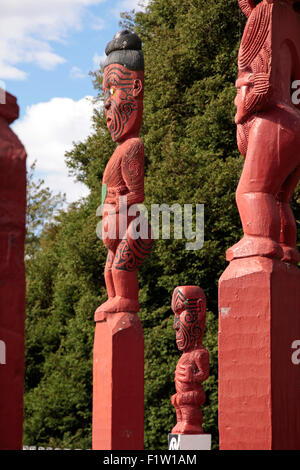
[268, 130]
[123, 179]
[189, 307]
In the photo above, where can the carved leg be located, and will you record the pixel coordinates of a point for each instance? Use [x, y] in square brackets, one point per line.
[192, 419]
[288, 233]
[108, 275]
[108, 282]
[127, 290]
[261, 224]
[130, 255]
[177, 427]
[271, 158]
[190, 406]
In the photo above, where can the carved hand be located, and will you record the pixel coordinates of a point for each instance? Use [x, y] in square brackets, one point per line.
[184, 373]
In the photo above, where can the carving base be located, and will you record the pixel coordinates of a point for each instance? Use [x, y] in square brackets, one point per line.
[117, 304]
[259, 386]
[118, 385]
[254, 246]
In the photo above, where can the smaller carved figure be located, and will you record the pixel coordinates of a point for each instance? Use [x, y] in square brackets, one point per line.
[189, 307]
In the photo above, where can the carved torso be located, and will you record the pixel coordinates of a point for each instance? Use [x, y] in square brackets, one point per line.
[192, 369]
[124, 173]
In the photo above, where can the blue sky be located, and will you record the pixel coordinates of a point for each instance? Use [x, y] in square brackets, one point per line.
[47, 49]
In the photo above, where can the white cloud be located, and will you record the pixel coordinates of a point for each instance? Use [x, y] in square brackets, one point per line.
[121, 6]
[76, 73]
[29, 26]
[48, 130]
[10, 72]
[97, 23]
[132, 4]
[97, 60]
[29, 29]
[127, 5]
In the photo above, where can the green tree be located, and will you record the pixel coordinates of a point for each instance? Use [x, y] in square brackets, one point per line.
[42, 207]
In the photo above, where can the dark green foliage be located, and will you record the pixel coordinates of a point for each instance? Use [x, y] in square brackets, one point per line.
[190, 49]
[42, 208]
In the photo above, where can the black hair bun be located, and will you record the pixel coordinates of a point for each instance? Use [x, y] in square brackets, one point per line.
[124, 40]
[125, 49]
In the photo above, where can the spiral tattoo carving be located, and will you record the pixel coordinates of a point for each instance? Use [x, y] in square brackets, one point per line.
[188, 327]
[120, 111]
[131, 254]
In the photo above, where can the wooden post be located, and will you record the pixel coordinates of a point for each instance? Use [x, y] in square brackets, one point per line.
[259, 293]
[118, 399]
[12, 278]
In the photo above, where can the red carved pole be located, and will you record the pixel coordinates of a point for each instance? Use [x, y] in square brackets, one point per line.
[118, 401]
[259, 293]
[12, 278]
[189, 307]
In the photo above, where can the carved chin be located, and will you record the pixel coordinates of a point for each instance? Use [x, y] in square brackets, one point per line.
[182, 340]
[119, 130]
[113, 133]
[180, 345]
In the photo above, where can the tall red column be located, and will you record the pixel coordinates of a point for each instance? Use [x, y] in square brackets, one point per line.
[259, 293]
[259, 384]
[118, 387]
[12, 278]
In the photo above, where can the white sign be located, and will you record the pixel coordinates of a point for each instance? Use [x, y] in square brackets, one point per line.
[174, 443]
[296, 94]
[189, 442]
[2, 93]
[296, 354]
[2, 352]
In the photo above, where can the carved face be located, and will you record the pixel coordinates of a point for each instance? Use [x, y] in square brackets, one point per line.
[189, 321]
[123, 101]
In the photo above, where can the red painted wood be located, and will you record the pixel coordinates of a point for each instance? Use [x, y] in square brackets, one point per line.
[259, 386]
[118, 388]
[189, 307]
[268, 130]
[12, 278]
[259, 293]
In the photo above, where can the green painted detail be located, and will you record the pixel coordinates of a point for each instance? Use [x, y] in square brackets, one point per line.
[104, 192]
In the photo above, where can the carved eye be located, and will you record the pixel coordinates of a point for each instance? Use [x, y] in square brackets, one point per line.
[112, 91]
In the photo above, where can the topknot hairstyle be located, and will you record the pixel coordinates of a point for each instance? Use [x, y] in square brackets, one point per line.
[125, 49]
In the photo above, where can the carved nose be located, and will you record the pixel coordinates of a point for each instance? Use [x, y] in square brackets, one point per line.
[107, 104]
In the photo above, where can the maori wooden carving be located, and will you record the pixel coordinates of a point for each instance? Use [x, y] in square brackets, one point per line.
[189, 307]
